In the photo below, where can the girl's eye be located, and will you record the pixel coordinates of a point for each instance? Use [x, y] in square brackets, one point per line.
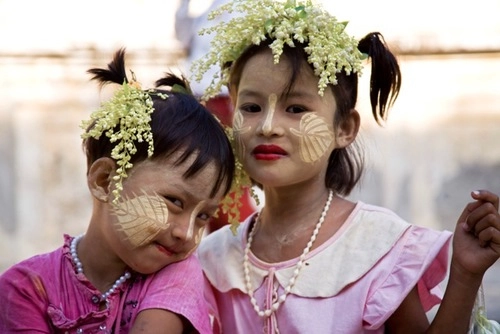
[296, 109]
[204, 216]
[174, 201]
[251, 108]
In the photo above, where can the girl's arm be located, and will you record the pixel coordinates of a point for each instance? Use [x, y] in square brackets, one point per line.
[476, 247]
[174, 301]
[410, 316]
[23, 302]
[157, 321]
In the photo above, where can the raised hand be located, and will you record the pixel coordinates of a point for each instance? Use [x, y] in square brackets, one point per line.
[476, 243]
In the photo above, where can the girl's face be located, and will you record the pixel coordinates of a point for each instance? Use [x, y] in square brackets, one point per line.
[161, 216]
[282, 139]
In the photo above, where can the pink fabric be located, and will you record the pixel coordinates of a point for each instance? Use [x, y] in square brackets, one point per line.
[43, 294]
[419, 257]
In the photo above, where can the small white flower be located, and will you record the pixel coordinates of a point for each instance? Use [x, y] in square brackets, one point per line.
[128, 112]
[329, 46]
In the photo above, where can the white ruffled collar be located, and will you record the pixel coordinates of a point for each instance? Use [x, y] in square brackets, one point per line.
[221, 255]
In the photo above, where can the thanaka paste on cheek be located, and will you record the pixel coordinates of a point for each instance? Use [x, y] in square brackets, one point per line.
[197, 240]
[141, 218]
[192, 220]
[267, 127]
[315, 136]
[199, 236]
[238, 130]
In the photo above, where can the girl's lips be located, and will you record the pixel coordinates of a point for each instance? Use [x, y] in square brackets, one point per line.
[164, 250]
[268, 152]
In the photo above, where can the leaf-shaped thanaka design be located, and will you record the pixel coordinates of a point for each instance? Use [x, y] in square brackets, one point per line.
[238, 130]
[315, 137]
[141, 217]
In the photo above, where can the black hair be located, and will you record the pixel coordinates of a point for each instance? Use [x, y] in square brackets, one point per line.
[178, 122]
[345, 165]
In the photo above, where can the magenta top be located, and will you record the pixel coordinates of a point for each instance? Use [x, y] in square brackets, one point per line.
[44, 294]
[350, 284]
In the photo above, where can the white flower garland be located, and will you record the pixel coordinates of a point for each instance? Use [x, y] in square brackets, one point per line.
[330, 49]
[131, 109]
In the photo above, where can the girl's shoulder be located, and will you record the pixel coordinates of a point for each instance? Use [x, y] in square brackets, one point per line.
[370, 212]
[28, 287]
[219, 242]
[178, 272]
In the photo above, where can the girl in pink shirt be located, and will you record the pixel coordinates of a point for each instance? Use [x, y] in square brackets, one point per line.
[312, 261]
[158, 165]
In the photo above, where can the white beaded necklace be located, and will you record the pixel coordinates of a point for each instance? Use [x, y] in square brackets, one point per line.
[79, 269]
[298, 266]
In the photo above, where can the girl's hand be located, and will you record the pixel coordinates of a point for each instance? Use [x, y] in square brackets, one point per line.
[476, 242]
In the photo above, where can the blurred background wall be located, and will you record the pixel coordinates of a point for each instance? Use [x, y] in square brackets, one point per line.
[442, 139]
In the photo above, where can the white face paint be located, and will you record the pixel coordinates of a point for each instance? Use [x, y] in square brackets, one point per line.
[197, 240]
[292, 126]
[267, 127]
[141, 218]
[199, 236]
[159, 207]
[238, 130]
[192, 219]
[316, 137]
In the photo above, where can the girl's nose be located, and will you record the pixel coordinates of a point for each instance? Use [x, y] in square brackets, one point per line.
[269, 126]
[182, 229]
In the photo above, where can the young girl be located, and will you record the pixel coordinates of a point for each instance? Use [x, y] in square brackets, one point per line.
[312, 261]
[158, 165]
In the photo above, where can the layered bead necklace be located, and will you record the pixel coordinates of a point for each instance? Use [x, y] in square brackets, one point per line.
[278, 301]
[79, 269]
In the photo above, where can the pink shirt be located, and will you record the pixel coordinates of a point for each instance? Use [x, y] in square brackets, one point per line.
[44, 294]
[350, 284]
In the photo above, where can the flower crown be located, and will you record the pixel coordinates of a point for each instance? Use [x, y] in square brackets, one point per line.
[329, 48]
[124, 119]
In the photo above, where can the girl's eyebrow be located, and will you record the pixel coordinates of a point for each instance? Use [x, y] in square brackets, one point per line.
[301, 94]
[248, 93]
[292, 94]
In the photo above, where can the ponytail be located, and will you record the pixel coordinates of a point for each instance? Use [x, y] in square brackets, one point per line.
[115, 73]
[385, 80]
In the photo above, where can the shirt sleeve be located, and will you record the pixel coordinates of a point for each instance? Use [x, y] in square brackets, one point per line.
[419, 259]
[179, 288]
[23, 302]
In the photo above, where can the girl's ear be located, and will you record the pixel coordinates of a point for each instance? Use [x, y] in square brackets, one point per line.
[348, 129]
[99, 178]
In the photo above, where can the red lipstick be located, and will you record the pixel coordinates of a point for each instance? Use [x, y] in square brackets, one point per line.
[268, 152]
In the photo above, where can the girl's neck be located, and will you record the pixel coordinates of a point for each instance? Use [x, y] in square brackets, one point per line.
[282, 206]
[286, 223]
[99, 267]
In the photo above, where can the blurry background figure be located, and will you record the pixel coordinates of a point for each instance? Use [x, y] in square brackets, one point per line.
[188, 21]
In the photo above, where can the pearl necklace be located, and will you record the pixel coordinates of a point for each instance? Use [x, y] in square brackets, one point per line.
[298, 266]
[79, 269]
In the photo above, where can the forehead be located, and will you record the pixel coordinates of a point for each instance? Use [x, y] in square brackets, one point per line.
[262, 73]
[171, 172]
[262, 77]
